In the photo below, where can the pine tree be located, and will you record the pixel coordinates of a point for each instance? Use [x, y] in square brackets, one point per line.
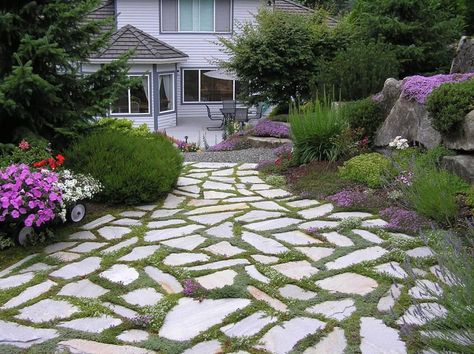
[42, 46]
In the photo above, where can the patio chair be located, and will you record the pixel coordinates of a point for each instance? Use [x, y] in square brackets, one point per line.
[215, 116]
[258, 113]
[229, 105]
[242, 116]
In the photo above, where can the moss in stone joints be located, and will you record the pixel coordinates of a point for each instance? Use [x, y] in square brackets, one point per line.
[162, 345]
[159, 311]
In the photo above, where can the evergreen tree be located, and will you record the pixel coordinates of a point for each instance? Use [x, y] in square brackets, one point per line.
[42, 46]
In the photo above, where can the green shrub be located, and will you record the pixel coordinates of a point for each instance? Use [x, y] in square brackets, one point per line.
[449, 104]
[276, 181]
[365, 114]
[38, 150]
[433, 193]
[132, 169]
[372, 169]
[470, 197]
[122, 125]
[314, 129]
[411, 158]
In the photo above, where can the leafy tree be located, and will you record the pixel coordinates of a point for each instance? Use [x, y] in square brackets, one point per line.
[42, 44]
[332, 6]
[421, 31]
[468, 12]
[276, 58]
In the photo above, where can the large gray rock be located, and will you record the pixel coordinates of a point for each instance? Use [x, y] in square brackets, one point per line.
[461, 165]
[390, 93]
[462, 139]
[410, 120]
[463, 62]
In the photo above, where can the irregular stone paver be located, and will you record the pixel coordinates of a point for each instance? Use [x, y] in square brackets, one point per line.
[282, 338]
[338, 310]
[265, 259]
[59, 246]
[217, 279]
[257, 215]
[219, 265]
[87, 247]
[218, 209]
[165, 234]
[425, 290]
[186, 181]
[16, 265]
[82, 235]
[218, 186]
[338, 239]
[272, 224]
[316, 212]
[47, 310]
[139, 253]
[24, 336]
[185, 243]
[387, 302]
[179, 259]
[121, 311]
[268, 205]
[113, 232]
[296, 270]
[420, 314]
[37, 267]
[221, 231]
[159, 214]
[166, 281]
[91, 347]
[173, 201]
[374, 223]
[78, 269]
[263, 244]
[316, 253]
[209, 347]
[273, 193]
[65, 256]
[98, 222]
[348, 283]
[83, 288]
[29, 294]
[295, 237]
[217, 195]
[121, 245]
[148, 207]
[190, 317]
[121, 274]
[92, 324]
[164, 223]
[318, 224]
[392, 269]
[253, 272]
[368, 236]
[376, 337]
[444, 275]
[421, 252]
[133, 214]
[356, 257]
[334, 343]
[212, 219]
[15, 280]
[303, 203]
[249, 326]
[133, 336]
[294, 292]
[224, 248]
[349, 214]
[143, 297]
[260, 295]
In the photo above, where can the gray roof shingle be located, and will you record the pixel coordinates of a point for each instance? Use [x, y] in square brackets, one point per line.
[104, 11]
[297, 8]
[146, 46]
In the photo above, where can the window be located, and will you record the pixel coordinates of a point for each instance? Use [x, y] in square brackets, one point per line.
[135, 100]
[166, 92]
[196, 16]
[198, 87]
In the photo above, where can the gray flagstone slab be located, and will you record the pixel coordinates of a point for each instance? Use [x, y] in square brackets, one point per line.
[257, 215]
[376, 337]
[173, 201]
[82, 235]
[121, 274]
[16, 265]
[219, 264]
[186, 243]
[165, 234]
[224, 248]
[269, 225]
[47, 310]
[139, 253]
[121, 245]
[221, 231]
[338, 310]
[212, 219]
[263, 244]
[268, 205]
[143, 297]
[253, 272]
[348, 283]
[209, 347]
[133, 336]
[113, 232]
[271, 301]
[164, 223]
[338, 239]
[294, 292]
[249, 326]
[217, 280]
[420, 314]
[92, 324]
[78, 269]
[179, 259]
[169, 283]
[315, 253]
[98, 222]
[296, 270]
[133, 214]
[369, 236]
[30, 293]
[316, 212]
[334, 343]
[303, 203]
[121, 311]
[83, 288]
[164, 213]
[265, 259]
[218, 208]
[59, 246]
[126, 222]
[392, 269]
[387, 302]
[87, 247]
[24, 336]
[356, 257]
[83, 346]
[296, 237]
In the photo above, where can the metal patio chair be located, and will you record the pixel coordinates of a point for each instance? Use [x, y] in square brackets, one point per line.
[215, 116]
[258, 113]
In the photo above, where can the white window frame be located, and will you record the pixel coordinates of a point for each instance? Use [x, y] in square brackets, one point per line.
[174, 90]
[199, 87]
[213, 19]
[130, 100]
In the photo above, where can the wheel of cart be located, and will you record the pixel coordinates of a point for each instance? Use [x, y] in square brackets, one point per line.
[77, 212]
[25, 234]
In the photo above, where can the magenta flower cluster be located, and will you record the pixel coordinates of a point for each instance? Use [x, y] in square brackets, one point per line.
[283, 150]
[229, 144]
[192, 288]
[418, 88]
[28, 196]
[405, 177]
[347, 198]
[402, 219]
[267, 128]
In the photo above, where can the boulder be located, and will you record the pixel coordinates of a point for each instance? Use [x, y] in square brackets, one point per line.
[390, 93]
[410, 120]
[461, 165]
[463, 139]
[463, 62]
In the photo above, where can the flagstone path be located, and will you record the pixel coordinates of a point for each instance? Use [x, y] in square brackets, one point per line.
[268, 284]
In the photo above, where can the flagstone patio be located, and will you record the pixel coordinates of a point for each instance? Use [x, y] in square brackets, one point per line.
[269, 285]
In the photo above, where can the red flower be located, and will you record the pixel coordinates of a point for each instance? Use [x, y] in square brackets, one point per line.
[40, 163]
[59, 159]
[52, 163]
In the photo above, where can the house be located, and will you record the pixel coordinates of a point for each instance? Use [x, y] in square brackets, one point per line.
[175, 44]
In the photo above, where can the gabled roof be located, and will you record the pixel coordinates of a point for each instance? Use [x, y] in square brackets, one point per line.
[147, 48]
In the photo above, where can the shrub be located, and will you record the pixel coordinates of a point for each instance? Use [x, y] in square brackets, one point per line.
[27, 152]
[276, 181]
[314, 130]
[450, 103]
[433, 193]
[122, 125]
[365, 114]
[372, 169]
[132, 169]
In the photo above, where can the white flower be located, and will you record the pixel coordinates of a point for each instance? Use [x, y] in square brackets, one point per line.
[399, 143]
[77, 187]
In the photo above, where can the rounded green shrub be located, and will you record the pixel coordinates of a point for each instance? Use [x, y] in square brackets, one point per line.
[365, 114]
[372, 169]
[132, 169]
[449, 104]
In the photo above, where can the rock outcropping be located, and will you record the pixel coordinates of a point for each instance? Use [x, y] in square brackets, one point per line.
[464, 60]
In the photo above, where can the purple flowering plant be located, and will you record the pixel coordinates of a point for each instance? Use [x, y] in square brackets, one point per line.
[348, 198]
[418, 88]
[193, 289]
[29, 196]
[268, 128]
[283, 150]
[403, 219]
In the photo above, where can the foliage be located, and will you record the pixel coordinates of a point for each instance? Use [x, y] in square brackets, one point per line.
[28, 197]
[332, 6]
[420, 32]
[450, 103]
[41, 89]
[403, 220]
[283, 150]
[372, 169]
[268, 128]
[132, 169]
[123, 125]
[358, 70]
[365, 114]
[470, 197]
[5, 241]
[433, 193]
[276, 57]
[314, 129]
[275, 180]
[27, 152]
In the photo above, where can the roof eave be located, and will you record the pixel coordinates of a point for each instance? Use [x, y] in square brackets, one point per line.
[141, 61]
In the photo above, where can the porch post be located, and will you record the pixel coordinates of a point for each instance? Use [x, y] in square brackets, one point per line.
[156, 96]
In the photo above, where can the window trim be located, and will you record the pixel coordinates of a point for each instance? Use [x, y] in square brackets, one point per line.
[171, 73]
[231, 24]
[149, 113]
[199, 102]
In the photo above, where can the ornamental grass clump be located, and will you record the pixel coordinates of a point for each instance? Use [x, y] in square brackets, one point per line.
[29, 197]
